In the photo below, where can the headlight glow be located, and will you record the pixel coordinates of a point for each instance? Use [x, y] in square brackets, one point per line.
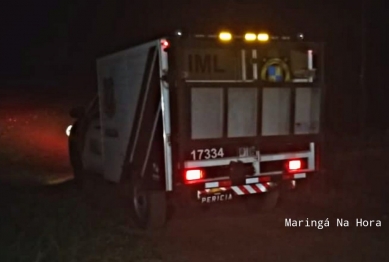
[68, 129]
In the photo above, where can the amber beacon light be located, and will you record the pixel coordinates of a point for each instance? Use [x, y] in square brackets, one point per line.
[250, 37]
[263, 37]
[225, 36]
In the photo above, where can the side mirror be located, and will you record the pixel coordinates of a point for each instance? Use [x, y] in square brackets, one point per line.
[77, 112]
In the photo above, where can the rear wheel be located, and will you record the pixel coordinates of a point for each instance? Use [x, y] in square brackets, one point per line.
[149, 206]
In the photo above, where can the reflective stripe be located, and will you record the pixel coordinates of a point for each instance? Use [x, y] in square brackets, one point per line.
[250, 189]
[211, 184]
[252, 180]
[300, 175]
[261, 187]
[237, 190]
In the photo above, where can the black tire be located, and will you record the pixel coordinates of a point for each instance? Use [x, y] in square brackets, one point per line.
[263, 202]
[148, 206]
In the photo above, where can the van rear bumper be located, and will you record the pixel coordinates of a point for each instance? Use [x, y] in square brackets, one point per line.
[222, 191]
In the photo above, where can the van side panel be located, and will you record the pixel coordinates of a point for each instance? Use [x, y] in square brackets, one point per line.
[119, 78]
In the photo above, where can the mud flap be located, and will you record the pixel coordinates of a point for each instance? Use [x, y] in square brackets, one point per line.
[238, 171]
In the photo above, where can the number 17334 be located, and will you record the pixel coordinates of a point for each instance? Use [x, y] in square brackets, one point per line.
[211, 153]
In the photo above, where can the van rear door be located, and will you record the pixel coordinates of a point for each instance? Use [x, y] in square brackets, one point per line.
[248, 95]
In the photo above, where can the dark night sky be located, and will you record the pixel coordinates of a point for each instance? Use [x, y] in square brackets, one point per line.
[54, 43]
[65, 36]
[57, 41]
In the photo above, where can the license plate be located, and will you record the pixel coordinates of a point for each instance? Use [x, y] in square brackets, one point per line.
[216, 197]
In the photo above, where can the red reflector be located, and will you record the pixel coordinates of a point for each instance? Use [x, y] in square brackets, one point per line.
[264, 179]
[193, 174]
[294, 164]
[165, 44]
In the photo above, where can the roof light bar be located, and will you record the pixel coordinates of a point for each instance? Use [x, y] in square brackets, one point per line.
[263, 37]
[225, 36]
[250, 37]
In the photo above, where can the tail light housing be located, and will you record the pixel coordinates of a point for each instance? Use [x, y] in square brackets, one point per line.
[165, 44]
[193, 174]
[294, 165]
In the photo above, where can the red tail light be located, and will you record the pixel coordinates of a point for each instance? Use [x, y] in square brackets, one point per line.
[193, 174]
[294, 164]
[165, 44]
